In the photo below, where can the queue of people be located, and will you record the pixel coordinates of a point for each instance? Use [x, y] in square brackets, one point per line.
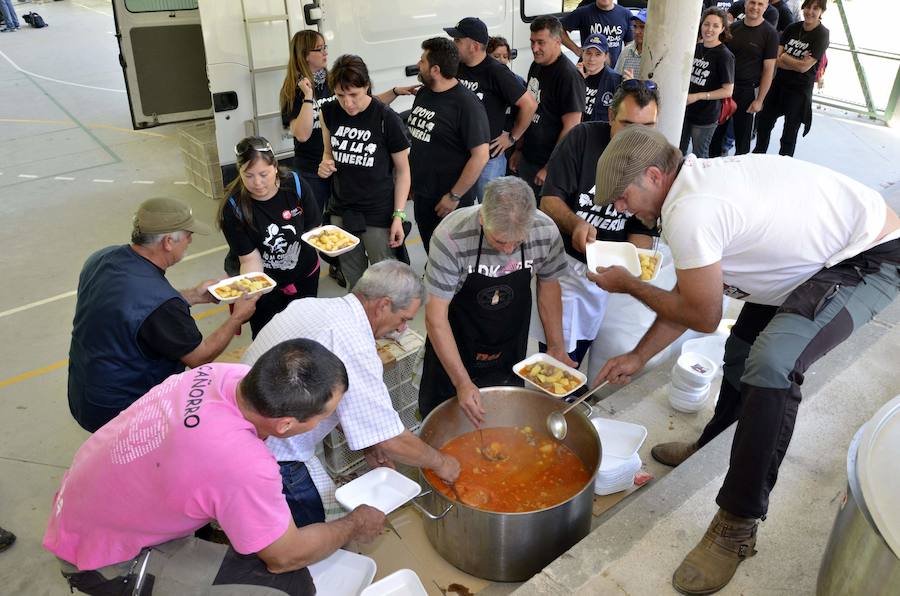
[587, 165]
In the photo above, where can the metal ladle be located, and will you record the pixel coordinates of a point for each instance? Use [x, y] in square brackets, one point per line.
[556, 421]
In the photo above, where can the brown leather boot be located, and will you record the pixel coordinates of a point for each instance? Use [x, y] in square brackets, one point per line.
[710, 566]
[672, 454]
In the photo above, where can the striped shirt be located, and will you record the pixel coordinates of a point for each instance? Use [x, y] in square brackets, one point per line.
[454, 250]
[365, 413]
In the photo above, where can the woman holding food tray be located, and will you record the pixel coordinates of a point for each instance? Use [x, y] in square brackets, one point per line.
[366, 155]
[265, 212]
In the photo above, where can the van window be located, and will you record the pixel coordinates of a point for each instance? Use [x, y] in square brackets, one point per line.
[160, 5]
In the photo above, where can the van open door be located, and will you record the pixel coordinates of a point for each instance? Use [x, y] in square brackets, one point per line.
[162, 58]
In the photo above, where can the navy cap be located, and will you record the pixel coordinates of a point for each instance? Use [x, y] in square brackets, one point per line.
[471, 27]
[596, 41]
[640, 15]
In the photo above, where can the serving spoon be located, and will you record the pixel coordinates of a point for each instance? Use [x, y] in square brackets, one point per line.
[556, 421]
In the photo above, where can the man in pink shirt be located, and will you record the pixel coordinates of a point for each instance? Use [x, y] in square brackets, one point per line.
[191, 451]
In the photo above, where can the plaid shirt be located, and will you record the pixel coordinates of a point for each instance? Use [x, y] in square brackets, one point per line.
[365, 413]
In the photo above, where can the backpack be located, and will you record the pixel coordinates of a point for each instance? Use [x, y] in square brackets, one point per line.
[35, 20]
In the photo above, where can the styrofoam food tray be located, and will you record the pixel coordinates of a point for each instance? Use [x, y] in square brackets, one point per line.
[659, 261]
[545, 359]
[619, 439]
[404, 582]
[688, 382]
[230, 280]
[382, 488]
[696, 367]
[331, 253]
[343, 574]
[609, 254]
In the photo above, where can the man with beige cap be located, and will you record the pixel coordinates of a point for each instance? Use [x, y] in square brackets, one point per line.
[825, 266]
[132, 329]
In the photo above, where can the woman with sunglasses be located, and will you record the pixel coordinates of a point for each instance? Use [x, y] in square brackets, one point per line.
[304, 91]
[712, 80]
[265, 212]
[366, 154]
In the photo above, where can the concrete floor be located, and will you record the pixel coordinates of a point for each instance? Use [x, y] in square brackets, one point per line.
[72, 173]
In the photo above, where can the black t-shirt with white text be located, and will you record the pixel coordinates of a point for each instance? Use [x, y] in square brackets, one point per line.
[362, 146]
[308, 154]
[278, 224]
[797, 42]
[712, 68]
[496, 86]
[559, 89]
[445, 127]
[614, 24]
[750, 46]
[599, 91]
[571, 174]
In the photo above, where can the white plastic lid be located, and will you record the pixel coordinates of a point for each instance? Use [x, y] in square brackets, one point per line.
[878, 468]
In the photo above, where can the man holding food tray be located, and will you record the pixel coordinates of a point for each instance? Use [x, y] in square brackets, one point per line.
[132, 329]
[806, 288]
[568, 198]
[191, 451]
[479, 284]
[383, 301]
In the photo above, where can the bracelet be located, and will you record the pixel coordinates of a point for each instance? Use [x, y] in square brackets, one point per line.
[394, 91]
[512, 138]
[400, 214]
[308, 101]
[454, 197]
[707, 96]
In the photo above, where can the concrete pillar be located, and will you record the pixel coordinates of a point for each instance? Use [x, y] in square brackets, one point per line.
[669, 41]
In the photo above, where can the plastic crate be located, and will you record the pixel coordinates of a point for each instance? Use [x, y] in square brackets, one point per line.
[201, 158]
[402, 354]
[404, 395]
[339, 458]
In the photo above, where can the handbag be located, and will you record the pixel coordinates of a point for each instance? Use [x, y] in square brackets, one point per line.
[729, 107]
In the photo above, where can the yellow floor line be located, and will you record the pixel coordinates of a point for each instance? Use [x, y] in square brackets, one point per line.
[198, 317]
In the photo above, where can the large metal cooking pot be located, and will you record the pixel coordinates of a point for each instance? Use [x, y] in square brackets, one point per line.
[858, 560]
[508, 546]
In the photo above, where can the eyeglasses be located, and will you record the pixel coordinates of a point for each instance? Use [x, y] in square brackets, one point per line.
[254, 143]
[638, 83]
[322, 49]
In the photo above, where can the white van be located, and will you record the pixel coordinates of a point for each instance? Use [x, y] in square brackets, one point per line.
[193, 59]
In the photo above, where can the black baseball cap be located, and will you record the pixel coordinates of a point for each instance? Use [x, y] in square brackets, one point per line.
[471, 27]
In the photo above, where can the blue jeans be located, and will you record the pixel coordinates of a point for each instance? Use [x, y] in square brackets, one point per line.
[698, 137]
[301, 494]
[494, 168]
[10, 19]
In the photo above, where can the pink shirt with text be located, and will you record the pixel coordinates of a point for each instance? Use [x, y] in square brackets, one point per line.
[179, 457]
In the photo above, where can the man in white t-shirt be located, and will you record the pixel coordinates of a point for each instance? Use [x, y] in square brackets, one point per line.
[813, 254]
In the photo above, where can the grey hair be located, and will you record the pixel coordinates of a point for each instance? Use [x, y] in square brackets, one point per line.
[391, 279]
[141, 239]
[508, 205]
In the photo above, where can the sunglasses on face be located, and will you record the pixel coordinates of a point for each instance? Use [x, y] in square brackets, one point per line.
[638, 83]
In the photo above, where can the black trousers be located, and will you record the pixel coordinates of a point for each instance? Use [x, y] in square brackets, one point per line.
[743, 124]
[427, 220]
[276, 301]
[787, 102]
[767, 356]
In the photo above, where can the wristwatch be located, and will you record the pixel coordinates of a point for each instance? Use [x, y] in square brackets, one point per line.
[454, 197]
[512, 138]
[400, 214]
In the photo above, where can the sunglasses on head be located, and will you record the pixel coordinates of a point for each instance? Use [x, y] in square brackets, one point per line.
[638, 83]
[254, 143]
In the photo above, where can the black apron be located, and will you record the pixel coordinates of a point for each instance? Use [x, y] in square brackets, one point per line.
[489, 317]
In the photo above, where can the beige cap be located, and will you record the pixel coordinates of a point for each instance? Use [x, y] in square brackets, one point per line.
[163, 216]
[625, 158]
